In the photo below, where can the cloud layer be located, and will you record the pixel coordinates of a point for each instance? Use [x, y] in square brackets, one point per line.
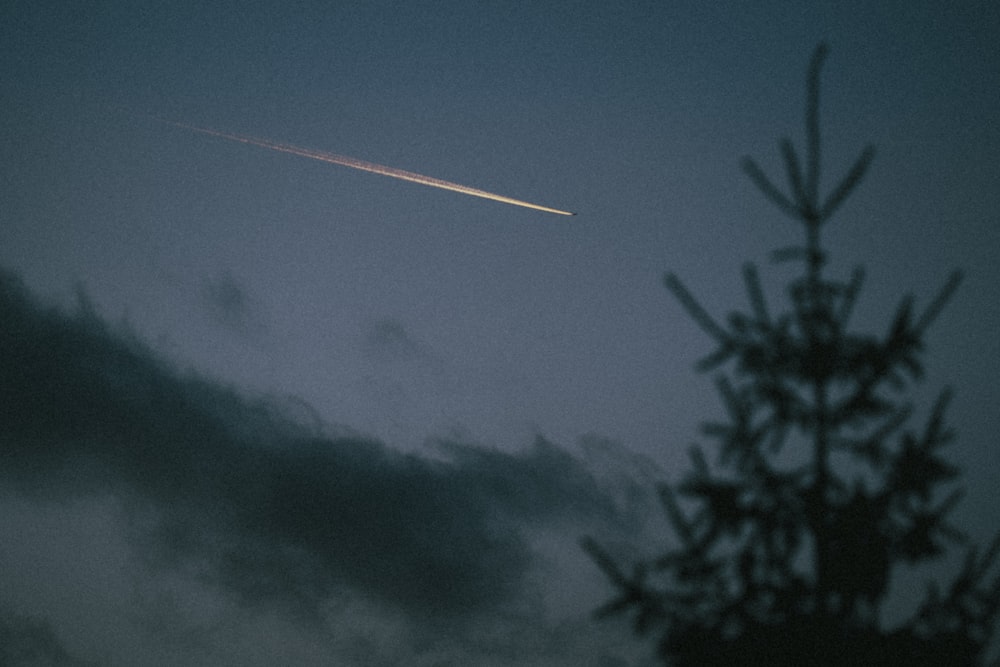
[237, 493]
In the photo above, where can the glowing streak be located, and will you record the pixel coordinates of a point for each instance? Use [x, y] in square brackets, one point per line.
[355, 163]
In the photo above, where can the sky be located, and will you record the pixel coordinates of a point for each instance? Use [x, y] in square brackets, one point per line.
[263, 409]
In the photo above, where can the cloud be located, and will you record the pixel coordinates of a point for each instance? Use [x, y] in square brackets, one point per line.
[230, 304]
[387, 340]
[238, 493]
[30, 641]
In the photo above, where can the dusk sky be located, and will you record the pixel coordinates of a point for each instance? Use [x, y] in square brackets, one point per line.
[259, 409]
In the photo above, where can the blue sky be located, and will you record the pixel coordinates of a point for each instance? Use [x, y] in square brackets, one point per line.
[408, 315]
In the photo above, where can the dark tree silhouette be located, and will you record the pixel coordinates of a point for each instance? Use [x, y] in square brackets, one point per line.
[785, 548]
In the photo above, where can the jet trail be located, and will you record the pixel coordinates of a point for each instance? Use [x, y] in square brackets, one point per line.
[355, 163]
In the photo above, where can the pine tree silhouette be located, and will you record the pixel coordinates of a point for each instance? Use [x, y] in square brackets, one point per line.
[784, 556]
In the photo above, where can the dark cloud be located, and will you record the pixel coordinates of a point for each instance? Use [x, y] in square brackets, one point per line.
[28, 641]
[229, 303]
[388, 340]
[250, 499]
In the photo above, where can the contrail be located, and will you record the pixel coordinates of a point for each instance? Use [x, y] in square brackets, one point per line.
[355, 163]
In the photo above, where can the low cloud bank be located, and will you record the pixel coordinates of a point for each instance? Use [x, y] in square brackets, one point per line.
[239, 493]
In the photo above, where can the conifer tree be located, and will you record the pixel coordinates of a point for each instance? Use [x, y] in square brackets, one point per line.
[822, 487]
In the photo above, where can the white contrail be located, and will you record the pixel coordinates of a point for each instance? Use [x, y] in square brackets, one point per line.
[355, 163]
